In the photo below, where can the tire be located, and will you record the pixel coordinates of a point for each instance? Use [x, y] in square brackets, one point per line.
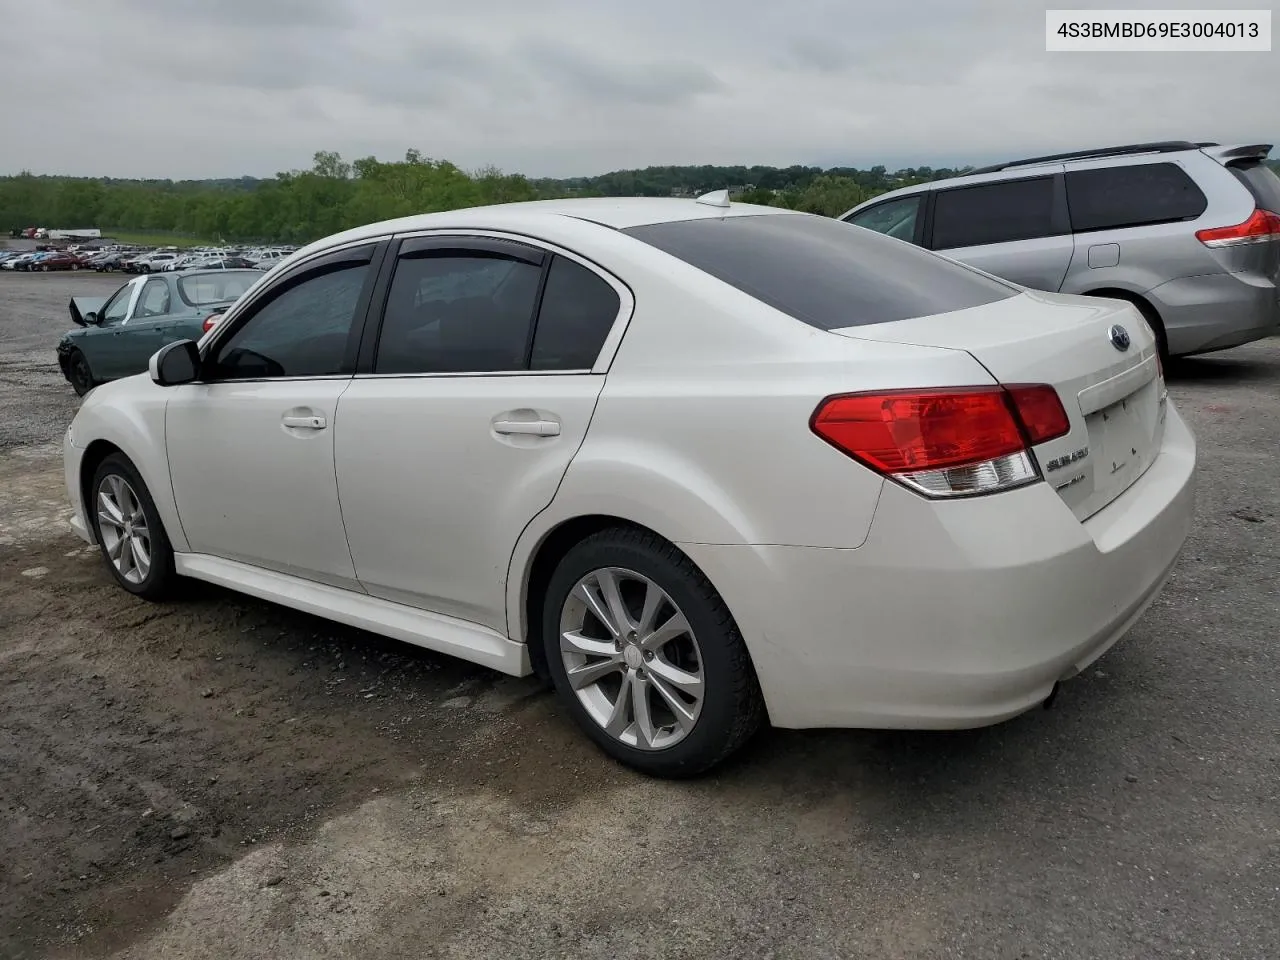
[44, 267]
[79, 373]
[117, 478]
[726, 708]
[75, 266]
[146, 268]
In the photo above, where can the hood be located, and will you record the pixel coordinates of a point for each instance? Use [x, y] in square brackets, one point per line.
[82, 305]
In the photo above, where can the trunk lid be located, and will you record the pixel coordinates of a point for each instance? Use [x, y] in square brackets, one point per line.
[1114, 398]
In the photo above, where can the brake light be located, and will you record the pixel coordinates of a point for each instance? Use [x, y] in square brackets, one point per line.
[210, 322]
[1262, 225]
[946, 442]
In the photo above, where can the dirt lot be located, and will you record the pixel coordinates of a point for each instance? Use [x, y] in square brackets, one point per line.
[223, 778]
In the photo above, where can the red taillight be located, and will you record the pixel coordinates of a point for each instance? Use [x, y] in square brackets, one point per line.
[1262, 226]
[210, 321]
[1040, 411]
[949, 441]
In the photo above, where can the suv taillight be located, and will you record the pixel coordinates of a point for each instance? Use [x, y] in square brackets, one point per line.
[210, 322]
[1262, 225]
[946, 442]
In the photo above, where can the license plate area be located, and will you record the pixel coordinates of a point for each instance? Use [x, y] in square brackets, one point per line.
[1122, 440]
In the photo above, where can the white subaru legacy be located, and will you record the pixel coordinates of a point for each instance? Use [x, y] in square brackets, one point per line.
[701, 464]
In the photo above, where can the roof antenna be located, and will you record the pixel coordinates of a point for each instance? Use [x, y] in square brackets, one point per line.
[716, 198]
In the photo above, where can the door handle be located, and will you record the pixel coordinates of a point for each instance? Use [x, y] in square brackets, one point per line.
[528, 428]
[305, 423]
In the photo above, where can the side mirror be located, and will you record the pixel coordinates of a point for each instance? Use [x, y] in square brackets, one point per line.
[91, 318]
[175, 363]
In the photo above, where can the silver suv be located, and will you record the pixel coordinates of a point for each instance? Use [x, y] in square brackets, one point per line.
[1188, 232]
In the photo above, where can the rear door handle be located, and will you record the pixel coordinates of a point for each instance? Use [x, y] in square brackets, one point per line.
[529, 428]
[305, 423]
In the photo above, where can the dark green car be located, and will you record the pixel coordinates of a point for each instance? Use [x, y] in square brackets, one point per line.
[121, 332]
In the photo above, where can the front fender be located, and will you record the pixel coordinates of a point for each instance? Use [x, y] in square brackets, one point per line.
[129, 414]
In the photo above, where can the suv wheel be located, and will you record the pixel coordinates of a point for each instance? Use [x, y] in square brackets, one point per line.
[646, 657]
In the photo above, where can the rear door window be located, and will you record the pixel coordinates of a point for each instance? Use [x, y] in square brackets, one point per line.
[999, 212]
[1108, 198]
[458, 311]
[821, 272]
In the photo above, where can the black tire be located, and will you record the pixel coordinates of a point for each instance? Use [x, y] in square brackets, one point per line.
[732, 707]
[44, 267]
[79, 374]
[161, 579]
[146, 268]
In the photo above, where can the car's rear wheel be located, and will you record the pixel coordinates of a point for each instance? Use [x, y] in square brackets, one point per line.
[646, 657]
[44, 267]
[79, 374]
[129, 530]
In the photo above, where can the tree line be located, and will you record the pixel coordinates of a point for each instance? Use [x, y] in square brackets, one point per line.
[334, 194]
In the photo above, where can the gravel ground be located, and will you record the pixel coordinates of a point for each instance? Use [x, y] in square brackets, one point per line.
[221, 777]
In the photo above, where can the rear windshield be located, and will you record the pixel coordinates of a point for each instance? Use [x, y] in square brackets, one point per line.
[1262, 183]
[204, 289]
[825, 272]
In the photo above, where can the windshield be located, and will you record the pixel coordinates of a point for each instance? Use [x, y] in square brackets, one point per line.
[204, 289]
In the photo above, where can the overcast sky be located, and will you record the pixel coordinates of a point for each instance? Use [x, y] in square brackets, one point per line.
[213, 88]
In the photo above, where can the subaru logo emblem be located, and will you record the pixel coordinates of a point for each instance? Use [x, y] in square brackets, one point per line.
[1119, 337]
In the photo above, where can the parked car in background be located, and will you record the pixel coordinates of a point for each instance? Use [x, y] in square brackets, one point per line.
[119, 333]
[225, 263]
[1187, 232]
[698, 462]
[112, 261]
[15, 262]
[60, 261]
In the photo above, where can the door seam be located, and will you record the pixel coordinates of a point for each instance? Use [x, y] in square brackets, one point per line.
[337, 486]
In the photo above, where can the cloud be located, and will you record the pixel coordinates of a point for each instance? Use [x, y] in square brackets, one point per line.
[192, 88]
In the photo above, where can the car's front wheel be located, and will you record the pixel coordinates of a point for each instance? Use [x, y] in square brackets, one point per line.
[79, 374]
[129, 530]
[646, 656]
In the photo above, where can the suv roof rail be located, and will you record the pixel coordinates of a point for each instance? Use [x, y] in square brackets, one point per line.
[1159, 146]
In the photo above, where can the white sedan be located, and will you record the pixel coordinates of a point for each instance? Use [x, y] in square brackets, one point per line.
[701, 464]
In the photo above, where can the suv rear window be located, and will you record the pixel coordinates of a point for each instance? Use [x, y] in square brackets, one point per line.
[1262, 183]
[824, 272]
[1131, 196]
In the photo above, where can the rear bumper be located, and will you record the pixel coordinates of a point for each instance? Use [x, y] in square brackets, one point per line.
[958, 614]
[1216, 311]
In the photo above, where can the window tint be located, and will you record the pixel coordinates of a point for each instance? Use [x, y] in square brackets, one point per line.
[1262, 183]
[1132, 195]
[208, 288]
[154, 301]
[302, 332]
[895, 218]
[578, 310]
[821, 271]
[457, 312]
[993, 213]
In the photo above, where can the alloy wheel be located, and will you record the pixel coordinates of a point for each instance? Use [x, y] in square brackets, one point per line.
[632, 659]
[122, 525]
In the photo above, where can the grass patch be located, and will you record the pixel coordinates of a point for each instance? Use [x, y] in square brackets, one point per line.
[156, 239]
